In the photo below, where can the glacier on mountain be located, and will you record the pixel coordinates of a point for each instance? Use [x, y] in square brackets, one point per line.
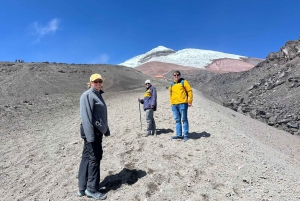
[186, 57]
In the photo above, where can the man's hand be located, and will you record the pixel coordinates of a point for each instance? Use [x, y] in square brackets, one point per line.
[190, 105]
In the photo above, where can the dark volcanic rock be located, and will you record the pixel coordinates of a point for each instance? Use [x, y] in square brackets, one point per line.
[269, 92]
[160, 53]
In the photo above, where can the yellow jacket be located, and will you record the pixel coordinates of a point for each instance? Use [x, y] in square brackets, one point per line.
[181, 92]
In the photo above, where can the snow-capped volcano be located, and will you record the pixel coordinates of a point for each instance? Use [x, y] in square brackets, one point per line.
[187, 57]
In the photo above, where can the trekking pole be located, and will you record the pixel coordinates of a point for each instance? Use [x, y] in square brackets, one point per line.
[140, 114]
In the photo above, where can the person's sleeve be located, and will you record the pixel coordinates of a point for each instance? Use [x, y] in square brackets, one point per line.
[86, 117]
[101, 126]
[107, 132]
[189, 91]
[154, 95]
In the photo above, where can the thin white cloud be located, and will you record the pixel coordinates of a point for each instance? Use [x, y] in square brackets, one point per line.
[101, 59]
[40, 30]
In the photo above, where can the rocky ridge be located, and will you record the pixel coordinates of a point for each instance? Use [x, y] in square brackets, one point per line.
[143, 58]
[269, 92]
[156, 52]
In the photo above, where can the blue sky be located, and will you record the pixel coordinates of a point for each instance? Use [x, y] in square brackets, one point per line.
[112, 31]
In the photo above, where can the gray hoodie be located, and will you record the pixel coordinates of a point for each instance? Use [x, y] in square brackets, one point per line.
[93, 113]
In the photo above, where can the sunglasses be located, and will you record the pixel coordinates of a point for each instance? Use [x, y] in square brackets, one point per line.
[98, 81]
[147, 83]
[176, 75]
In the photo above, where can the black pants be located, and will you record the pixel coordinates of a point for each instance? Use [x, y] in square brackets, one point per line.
[89, 169]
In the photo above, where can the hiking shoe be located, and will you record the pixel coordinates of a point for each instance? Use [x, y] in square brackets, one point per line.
[176, 137]
[96, 195]
[185, 139]
[81, 193]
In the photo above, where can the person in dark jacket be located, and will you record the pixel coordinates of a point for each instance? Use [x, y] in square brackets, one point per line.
[150, 103]
[93, 113]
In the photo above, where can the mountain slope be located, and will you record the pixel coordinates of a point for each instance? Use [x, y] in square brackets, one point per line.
[197, 58]
[154, 68]
[269, 92]
[229, 65]
[228, 156]
[186, 57]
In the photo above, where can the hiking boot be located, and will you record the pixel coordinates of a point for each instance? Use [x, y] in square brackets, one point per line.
[176, 137]
[185, 138]
[95, 195]
[154, 132]
[81, 193]
[148, 133]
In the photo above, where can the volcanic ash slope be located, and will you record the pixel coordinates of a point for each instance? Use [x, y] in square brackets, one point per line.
[228, 157]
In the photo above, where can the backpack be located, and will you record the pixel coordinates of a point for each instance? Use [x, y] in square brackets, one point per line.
[182, 83]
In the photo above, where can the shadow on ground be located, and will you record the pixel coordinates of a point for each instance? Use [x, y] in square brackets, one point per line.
[126, 176]
[195, 135]
[163, 131]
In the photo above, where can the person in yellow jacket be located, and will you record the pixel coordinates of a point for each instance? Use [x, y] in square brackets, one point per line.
[181, 97]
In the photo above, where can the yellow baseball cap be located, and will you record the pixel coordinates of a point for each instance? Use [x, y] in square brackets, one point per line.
[95, 76]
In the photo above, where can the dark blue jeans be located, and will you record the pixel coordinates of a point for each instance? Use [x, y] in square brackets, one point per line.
[180, 116]
[89, 169]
